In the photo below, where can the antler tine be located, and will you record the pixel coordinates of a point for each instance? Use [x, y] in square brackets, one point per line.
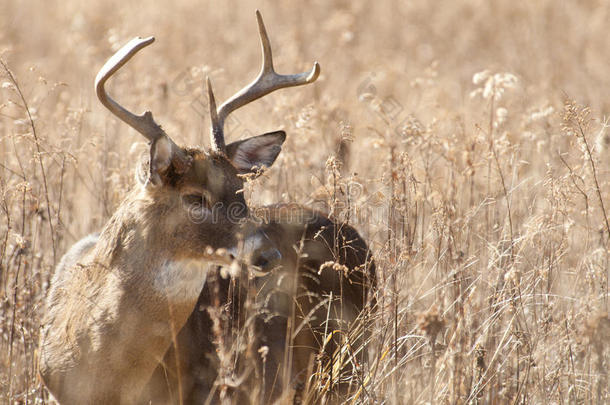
[217, 138]
[266, 82]
[144, 124]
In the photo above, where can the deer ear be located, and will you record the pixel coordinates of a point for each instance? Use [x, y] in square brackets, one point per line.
[160, 158]
[253, 153]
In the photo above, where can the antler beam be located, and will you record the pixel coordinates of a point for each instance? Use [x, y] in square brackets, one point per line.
[144, 124]
[266, 82]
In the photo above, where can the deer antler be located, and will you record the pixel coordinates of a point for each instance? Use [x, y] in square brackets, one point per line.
[266, 82]
[144, 124]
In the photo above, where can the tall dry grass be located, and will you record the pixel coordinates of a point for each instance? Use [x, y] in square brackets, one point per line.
[485, 201]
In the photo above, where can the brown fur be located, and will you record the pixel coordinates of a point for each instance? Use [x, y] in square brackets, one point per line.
[115, 306]
[306, 240]
[114, 312]
[108, 322]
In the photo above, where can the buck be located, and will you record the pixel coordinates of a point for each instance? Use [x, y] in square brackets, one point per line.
[128, 313]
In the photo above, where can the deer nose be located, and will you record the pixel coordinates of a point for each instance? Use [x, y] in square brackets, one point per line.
[266, 259]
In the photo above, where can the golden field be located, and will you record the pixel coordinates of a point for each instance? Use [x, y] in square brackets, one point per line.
[467, 141]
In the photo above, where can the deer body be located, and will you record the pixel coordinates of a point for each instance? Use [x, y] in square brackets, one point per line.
[133, 303]
[296, 281]
[111, 314]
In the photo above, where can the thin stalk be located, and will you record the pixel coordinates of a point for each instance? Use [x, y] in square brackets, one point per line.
[38, 154]
[499, 168]
[594, 170]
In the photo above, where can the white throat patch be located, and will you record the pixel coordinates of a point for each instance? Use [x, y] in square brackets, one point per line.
[182, 280]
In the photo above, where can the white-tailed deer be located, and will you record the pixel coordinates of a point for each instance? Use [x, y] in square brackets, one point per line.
[130, 316]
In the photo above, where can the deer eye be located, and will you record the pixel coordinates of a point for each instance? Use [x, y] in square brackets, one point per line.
[197, 200]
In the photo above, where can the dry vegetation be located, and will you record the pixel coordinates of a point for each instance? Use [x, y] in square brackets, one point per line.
[446, 134]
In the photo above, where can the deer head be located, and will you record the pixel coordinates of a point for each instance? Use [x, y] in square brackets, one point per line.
[206, 181]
